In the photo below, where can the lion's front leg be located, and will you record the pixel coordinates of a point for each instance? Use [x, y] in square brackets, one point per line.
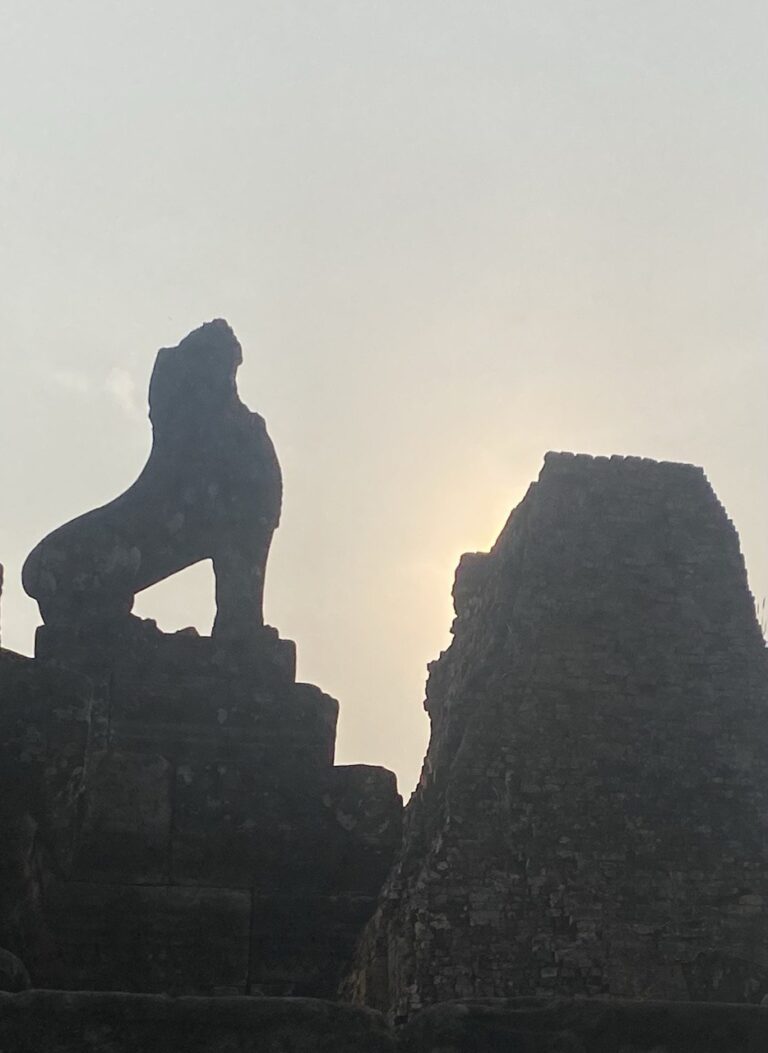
[239, 570]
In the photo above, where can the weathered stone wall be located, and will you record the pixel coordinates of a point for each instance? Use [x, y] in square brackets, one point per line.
[44, 732]
[592, 817]
[173, 820]
[217, 850]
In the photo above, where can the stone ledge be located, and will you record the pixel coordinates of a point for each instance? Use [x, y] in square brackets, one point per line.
[87, 1022]
[90, 1022]
[143, 938]
[529, 1025]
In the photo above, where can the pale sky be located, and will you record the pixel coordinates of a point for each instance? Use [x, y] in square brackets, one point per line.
[450, 235]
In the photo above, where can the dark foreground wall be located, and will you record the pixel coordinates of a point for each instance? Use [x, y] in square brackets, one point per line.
[65, 1022]
[45, 719]
[171, 819]
[85, 1022]
[576, 1026]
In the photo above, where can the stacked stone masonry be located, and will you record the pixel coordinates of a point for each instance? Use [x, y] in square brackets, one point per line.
[592, 816]
[218, 849]
[173, 821]
[172, 815]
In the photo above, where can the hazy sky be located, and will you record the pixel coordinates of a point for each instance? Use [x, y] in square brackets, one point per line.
[450, 234]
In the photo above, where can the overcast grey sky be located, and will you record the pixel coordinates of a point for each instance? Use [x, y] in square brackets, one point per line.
[450, 234]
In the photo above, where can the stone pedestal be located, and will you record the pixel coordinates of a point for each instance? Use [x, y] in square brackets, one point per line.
[217, 849]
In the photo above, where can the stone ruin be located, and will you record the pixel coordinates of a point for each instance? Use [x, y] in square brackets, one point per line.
[179, 823]
[583, 866]
[592, 816]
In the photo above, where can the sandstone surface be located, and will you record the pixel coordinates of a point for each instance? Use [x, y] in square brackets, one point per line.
[592, 817]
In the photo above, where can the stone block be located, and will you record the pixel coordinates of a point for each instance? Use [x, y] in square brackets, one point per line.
[211, 717]
[302, 944]
[242, 824]
[149, 938]
[45, 716]
[264, 658]
[136, 648]
[586, 1026]
[267, 826]
[126, 819]
[367, 815]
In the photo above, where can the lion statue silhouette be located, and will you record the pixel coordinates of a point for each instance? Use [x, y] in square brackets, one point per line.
[211, 489]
